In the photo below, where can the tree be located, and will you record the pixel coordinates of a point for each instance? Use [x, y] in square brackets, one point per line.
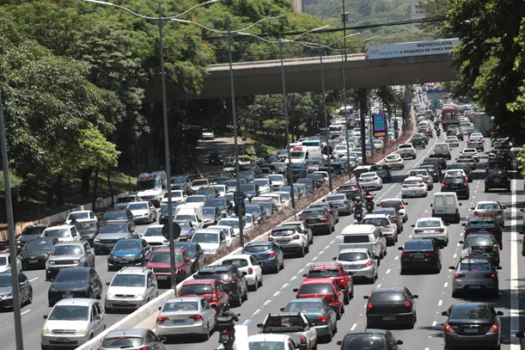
[489, 58]
[435, 8]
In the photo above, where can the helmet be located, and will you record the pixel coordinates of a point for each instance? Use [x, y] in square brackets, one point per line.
[225, 307]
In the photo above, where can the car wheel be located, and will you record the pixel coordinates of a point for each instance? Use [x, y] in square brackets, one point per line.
[256, 285]
[486, 189]
[301, 252]
[261, 281]
[245, 297]
[338, 314]
[206, 335]
[277, 269]
[45, 347]
[426, 194]
[307, 249]
[30, 298]
[347, 298]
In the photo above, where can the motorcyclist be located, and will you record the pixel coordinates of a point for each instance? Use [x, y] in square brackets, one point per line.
[369, 201]
[358, 208]
[226, 323]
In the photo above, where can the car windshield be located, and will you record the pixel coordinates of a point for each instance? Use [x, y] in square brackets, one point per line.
[259, 248]
[298, 155]
[206, 238]
[305, 307]
[453, 180]
[285, 196]
[229, 222]
[190, 247]
[247, 188]
[412, 182]
[198, 289]
[475, 266]
[178, 180]
[186, 217]
[429, 223]
[181, 306]
[393, 157]
[58, 232]
[69, 313]
[352, 256]
[282, 233]
[419, 245]
[144, 185]
[390, 204]
[164, 257]
[185, 225]
[118, 228]
[73, 249]
[39, 244]
[267, 345]
[337, 197]
[154, 231]
[387, 296]
[128, 245]
[312, 214]
[487, 206]
[472, 312]
[209, 211]
[261, 182]
[5, 280]
[323, 273]
[236, 262]
[165, 208]
[115, 215]
[316, 288]
[138, 206]
[275, 178]
[80, 215]
[363, 341]
[196, 199]
[479, 241]
[128, 280]
[126, 199]
[72, 275]
[200, 183]
[123, 342]
[33, 230]
[379, 222]
[173, 195]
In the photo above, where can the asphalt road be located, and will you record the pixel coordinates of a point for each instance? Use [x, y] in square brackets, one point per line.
[434, 290]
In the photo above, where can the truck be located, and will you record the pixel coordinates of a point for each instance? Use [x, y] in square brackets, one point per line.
[449, 116]
[152, 186]
[482, 123]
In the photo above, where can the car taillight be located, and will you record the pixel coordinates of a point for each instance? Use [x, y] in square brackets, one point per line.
[494, 328]
[340, 281]
[443, 185]
[459, 275]
[441, 230]
[144, 348]
[432, 254]
[368, 263]
[229, 281]
[496, 247]
[161, 319]
[508, 178]
[215, 297]
[418, 231]
[465, 184]
[368, 305]
[492, 275]
[405, 186]
[457, 210]
[195, 317]
[296, 237]
[339, 191]
[448, 329]
[395, 219]
[250, 271]
[321, 319]
[476, 213]
[303, 220]
[406, 255]
[303, 339]
[498, 213]
[408, 304]
[224, 331]
[323, 219]
[400, 206]
[272, 254]
[270, 239]
[331, 211]
[421, 186]
[433, 211]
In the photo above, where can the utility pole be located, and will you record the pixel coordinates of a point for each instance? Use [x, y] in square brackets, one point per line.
[345, 101]
[327, 133]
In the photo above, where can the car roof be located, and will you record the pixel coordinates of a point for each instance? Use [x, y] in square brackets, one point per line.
[215, 268]
[428, 219]
[327, 265]
[269, 337]
[354, 250]
[67, 243]
[132, 270]
[376, 216]
[138, 202]
[80, 211]
[201, 281]
[75, 301]
[172, 300]
[368, 331]
[58, 226]
[413, 178]
[316, 281]
[154, 226]
[127, 332]
[388, 289]
[257, 243]
[237, 256]
[167, 249]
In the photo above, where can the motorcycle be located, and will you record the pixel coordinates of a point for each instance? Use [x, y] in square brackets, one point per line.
[369, 206]
[227, 339]
[438, 132]
[358, 214]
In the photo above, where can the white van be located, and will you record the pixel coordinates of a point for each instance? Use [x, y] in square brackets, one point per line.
[446, 206]
[443, 150]
[363, 236]
[299, 154]
[313, 145]
[192, 214]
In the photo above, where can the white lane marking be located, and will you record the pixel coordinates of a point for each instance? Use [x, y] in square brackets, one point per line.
[268, 302]
[277, 293]
[514, 286]
[446, 284]
[25, 312]
[455, 256]
[379, 286]
[387, 271]
[397, 257]
[258, 311]
[440, 303]
[434, 323]
[33, 279]
[354, 326]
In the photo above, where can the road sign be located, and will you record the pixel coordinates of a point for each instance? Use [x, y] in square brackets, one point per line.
[379, 124]
[238, 197]
[166, 232]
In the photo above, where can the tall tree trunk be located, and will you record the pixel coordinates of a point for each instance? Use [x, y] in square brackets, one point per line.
[95, 189]
[56, 189]
[110, 188]
[86, 178]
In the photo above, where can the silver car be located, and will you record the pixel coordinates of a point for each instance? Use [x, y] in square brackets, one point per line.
[423, 174]
[131, 288]
[386, 225]
[133, 339]
[360, 262]
[72, 322]
[5, 263]
[143, 212]
[293, 324]
[290, 239]
[475, 274]
[108, 236]
[185, 316]
[490, 209]
[343, 205]
[65, 255]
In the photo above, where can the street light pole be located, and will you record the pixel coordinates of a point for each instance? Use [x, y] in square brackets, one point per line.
[235, 135]
[345, 101]
[285, 107]
[328, 153]
[11, 234]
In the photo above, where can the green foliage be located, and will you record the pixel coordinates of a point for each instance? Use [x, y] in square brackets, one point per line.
[435, 8]
[14, 181]
[489, 58]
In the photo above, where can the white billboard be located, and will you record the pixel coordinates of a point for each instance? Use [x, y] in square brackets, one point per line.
[416, 48]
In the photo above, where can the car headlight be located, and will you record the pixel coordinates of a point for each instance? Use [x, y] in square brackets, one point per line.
[45, 331]
[82, 331]
[110, 296]
[165, 241]
[97, 240]
[139, 256]
[6, 296]
[76, 261]
[52, 262]
[46, 255]
[139, 296]
[53, 289]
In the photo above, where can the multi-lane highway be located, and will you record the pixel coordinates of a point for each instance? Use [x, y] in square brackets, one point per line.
[434, 290]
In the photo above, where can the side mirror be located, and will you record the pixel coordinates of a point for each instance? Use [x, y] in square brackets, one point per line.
[260, 325]
[305, 275]
[415, 296]
[447, 224]
[282, 309]
[238, 315]
[430, 204]
[522, 210]
[452, 267]
[405, 203]
[107, 283]
[460, 204]
[334, 258]
[399, 342]
[400, 248]
[499, 313]
[45, 317]
[244, 273]
[412, 225]
[522, 232]
[471, 208]
[162, 339]
[504, 207]
[160, 308]
[366, 297]
[444, 313]
[349, 273]
[340, 342]
[462, 242]
[499, 268]
[463, 224]
[296, 290]
[520, 334]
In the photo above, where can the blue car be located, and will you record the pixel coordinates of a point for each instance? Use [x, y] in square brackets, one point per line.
[129, 252]
[268, 254]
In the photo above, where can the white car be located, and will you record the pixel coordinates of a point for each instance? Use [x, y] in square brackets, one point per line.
[271, 341]
[186, 316]
[456, 172]
[207, 134]
[249, 266]
[406, 150]
[303, 228]
[265, 185]
[72, 321]
[248, 219]
[5, 263]
[340, 151]
[477, 135]
[177, 196]
[290, 240]
[431, 228]
[466, 159]
[210, 241]
[228, 231]
[386, 225]
[64, 233]
[222, 189]
[452, 141]
[286, 198]
[471, 152]
[197, 184]
[81, 216]
[143, 212]
[360, 261]
[424, 175]
[131, 288]
[277, 181]
[395, 161]
[153, 235]
[414, 186]
[370, 180]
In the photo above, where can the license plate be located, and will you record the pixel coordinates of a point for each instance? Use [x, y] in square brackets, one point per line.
[419, 256]
[389, 318]
[67, 296]
[471, 330]
[62, 340]
[162, 277]
[284, 241]
[33, 261]
[474, 287]
[177, 321]
[123, 302]
[225, 337]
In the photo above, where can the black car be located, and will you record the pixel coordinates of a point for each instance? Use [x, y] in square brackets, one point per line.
[485, 243]
[351, 190]
[434, 161]
[472, 325]
[383, 170]
[28, 233]
[497, 178]
[456, 184]
[484, 225]
[215, 158]
[499, 164]
[419, 141]
[195, 253]
[317, 178]
[390, 306]
[369, 338]
[432, 170]
[232, 279]
[6, 290]
[467, 168]
[394, 214]
[117, 216]
[75, 282]
[164, 212]
[34, 254]
[319, 220]
[440, 160]
[420, 254]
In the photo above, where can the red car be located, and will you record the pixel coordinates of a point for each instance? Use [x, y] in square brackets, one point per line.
[159, 262]
[210, 289]
[323, 288]
[336, 272]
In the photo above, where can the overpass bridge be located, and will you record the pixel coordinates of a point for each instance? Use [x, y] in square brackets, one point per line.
[303, 75]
